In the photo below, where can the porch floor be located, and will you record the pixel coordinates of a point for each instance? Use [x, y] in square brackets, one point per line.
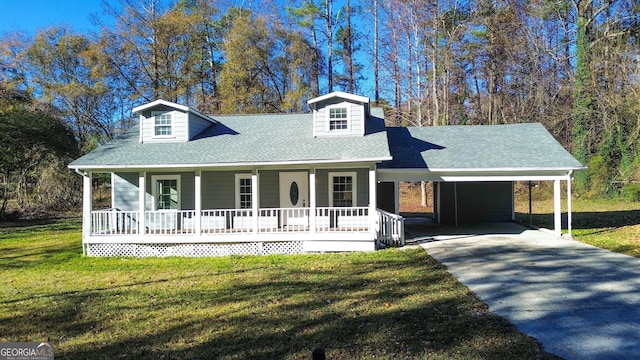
[295, 229]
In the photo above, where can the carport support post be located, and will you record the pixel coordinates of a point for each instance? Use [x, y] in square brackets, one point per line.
[557, 210]
[530, 207]
[569, 203]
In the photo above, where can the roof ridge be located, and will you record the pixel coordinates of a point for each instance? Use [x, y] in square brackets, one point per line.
[260, 114]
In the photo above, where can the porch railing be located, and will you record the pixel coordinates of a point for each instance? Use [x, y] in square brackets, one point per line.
[390, 228]
[231, 221]
[114, 222]
[283, 220]
[342, 219]
[170, 222]
[226, 221]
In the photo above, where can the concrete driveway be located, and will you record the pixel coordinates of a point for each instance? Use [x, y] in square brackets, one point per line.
[579, 301]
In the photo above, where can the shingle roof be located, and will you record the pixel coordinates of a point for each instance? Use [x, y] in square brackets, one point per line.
[244, 139]
[498, 147]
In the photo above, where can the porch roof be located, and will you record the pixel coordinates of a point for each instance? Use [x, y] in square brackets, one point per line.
[462, 149]
[238, 140]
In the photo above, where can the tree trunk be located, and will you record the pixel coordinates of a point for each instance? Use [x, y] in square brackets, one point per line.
[582, 96]
[349, 50]
[434, 67]
[423, 192]
[328, 15]
[375, 53]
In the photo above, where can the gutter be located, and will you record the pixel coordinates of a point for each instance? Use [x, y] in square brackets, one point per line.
[218, 165]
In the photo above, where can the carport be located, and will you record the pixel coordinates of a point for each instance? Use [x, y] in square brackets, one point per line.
[474, 169]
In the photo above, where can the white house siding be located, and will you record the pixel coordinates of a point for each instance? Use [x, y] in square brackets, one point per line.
[269, 189]
[180, 125]
[357, 119]
[322, 115]
[125, 191]
[477, 202]
[218, 189]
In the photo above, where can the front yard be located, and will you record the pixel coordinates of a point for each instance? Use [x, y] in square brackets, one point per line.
[612, 224]
[387, 304]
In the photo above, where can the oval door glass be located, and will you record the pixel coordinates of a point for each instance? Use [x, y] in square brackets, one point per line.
[294, 193]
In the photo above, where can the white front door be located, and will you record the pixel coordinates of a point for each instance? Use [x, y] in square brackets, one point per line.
[294, 198]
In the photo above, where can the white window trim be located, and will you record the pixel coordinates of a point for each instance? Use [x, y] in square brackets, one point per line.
[173, 125]
[154, 190]
[343, 105]
[237, 189]
[354, 176]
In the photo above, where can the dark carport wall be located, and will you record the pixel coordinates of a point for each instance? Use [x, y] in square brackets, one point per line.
[473, 202]
[474, 168]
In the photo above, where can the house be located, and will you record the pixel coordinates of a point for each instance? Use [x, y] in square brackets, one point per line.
[187, 184]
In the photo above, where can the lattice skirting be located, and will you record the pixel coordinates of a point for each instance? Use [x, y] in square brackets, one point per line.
[195, 250]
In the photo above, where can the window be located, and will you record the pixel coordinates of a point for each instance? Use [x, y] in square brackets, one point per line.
[163, 125]
[342, 189]
[166, 192]
[243, 191]
[338, 119]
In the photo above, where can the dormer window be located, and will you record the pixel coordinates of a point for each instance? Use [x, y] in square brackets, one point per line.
[163, 125]
[339, 114]
[338, 119]
[163, 122]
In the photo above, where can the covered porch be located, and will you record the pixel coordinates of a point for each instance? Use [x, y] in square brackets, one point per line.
[294, 216]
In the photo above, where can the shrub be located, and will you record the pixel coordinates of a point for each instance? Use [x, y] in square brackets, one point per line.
[598, 174]
[630, 192]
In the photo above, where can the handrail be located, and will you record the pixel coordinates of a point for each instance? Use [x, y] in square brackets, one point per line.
[390, 228]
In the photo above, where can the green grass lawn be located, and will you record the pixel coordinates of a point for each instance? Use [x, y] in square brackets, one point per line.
[610, 224]
[388, 304]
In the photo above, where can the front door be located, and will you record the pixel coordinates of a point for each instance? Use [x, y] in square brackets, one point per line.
[294, 198]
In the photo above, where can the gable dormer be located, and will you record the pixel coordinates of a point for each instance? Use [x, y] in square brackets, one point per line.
[339, 114]
[164, 121]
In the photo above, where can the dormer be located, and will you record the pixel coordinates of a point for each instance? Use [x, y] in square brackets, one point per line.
[339, 114]
[164, 121]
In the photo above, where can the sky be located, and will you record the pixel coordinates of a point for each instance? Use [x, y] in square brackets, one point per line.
[30, 15]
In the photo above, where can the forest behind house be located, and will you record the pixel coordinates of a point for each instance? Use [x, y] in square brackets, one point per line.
[573, 66]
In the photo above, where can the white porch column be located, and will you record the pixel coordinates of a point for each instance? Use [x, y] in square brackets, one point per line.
[255, 197]
[87, 204]
[312, 200]
[557, 209]
[142, 191]
[198, 201]
[373, 201]
[569, 178]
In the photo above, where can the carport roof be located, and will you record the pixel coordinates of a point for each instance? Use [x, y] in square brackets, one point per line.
[511, 147]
